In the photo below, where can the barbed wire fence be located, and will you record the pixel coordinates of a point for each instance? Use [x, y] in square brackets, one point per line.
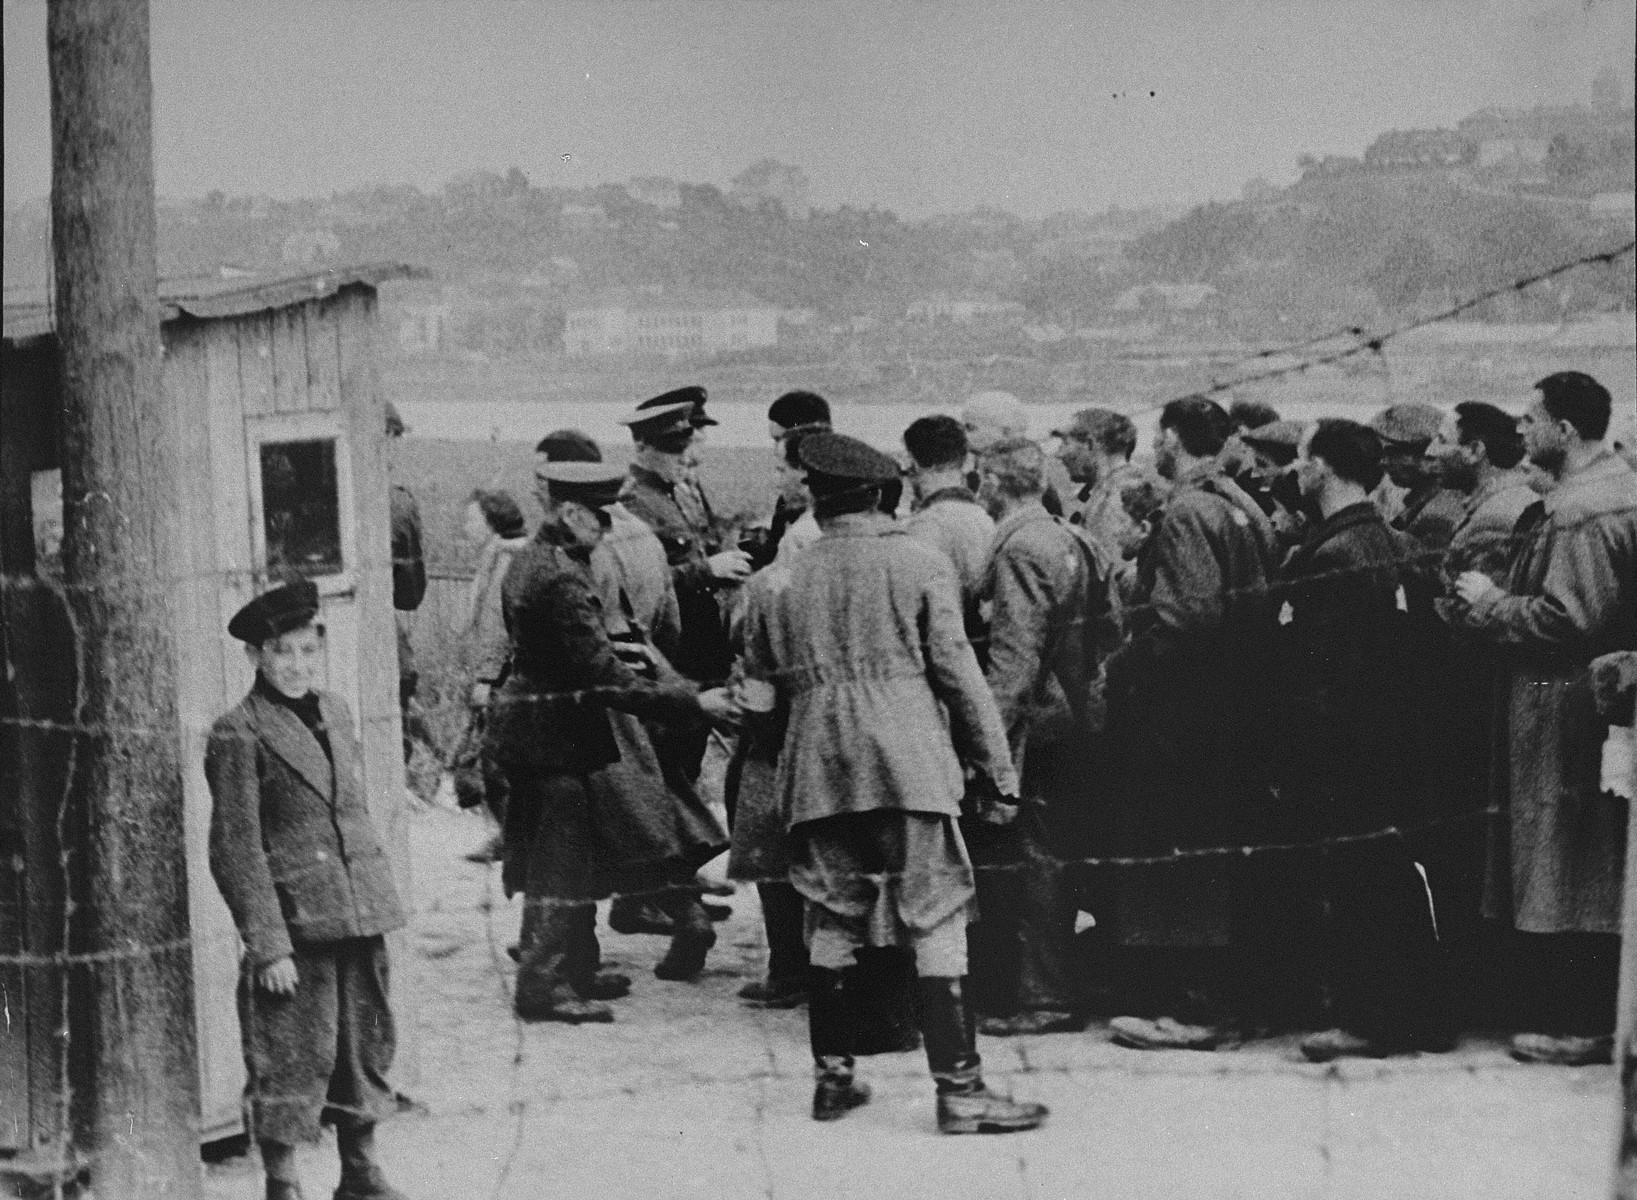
[65, 963]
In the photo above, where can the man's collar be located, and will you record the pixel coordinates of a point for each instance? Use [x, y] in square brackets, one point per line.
[956, 491]
[666, 470]
[1023, 514]
[861, 524]
[1605, 464]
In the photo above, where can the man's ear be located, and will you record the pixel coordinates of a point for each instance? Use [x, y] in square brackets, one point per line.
[253, 653]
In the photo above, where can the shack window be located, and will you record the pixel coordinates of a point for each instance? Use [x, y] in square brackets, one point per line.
[301, 509]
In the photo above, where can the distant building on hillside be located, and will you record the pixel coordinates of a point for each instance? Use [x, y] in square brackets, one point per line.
[1525, 136]
[655, 190]
[1172, 297]
[423, 327]
[674, 325]
[310, 246]
[962, 310]
[584, 216]
[1401, 149]
[769, 179]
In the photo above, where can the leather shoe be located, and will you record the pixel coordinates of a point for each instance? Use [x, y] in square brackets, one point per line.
[686, 957]
[1165, 1033]
[1562, 1050]
[378, 1189]
[569, 1010]
[640, 918]
[836, 1097]
[1029, 1024]
[983, 1111]
[606, 985]
[767, 994]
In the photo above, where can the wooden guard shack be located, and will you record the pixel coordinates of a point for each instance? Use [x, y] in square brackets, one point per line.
[276, 407]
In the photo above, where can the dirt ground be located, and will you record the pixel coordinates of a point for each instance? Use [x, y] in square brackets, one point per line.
[689, 1094]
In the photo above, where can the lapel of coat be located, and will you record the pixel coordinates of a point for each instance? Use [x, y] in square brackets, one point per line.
[293, 742]
[343, 748]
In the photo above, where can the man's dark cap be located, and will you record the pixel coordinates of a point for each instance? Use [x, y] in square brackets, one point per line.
[1275, 435]
[395, 421]
[1408, 424]
[276, 612]
[569, 445]
[693, 395]
[845, 458]
[596, 485]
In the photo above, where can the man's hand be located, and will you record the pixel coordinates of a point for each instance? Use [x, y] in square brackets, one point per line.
[1474, 588]
[279, 977]
[732, 566]
[719, 706]
[480, 695]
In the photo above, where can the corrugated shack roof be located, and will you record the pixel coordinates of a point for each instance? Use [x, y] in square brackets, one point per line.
[230, 293]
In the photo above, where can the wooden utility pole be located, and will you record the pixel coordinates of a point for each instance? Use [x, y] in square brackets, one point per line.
[136, 1102]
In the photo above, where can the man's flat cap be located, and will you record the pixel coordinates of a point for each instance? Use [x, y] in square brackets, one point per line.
[845, 458]
[1408, 423]
[1282, 434]
[276, 612]
[594, 484]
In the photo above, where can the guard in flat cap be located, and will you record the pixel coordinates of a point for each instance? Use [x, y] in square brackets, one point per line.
[550, 731]
[297, 859]
[664, 492]
[864, 654]
[1413, 497]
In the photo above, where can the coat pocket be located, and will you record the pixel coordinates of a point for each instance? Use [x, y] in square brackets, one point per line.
[316, 900]
[375, 894]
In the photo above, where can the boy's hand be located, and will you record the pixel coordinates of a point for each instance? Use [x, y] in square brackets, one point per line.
[278, 977]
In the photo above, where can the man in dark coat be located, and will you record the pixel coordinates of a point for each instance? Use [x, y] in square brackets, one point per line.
[1046, 584]
[662, 493]
[550, 732]
[1558, 859]
[1188, 700]
[793, 410]
[1346, 714]
[297, 859]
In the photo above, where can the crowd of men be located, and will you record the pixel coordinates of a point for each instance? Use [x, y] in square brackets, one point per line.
[1290, 727]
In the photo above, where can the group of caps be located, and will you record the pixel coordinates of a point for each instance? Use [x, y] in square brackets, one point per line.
[669, 422]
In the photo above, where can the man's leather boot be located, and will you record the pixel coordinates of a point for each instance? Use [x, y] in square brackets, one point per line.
[829, 1031]
[361, 1175]
[965, 1104]
[691, 942]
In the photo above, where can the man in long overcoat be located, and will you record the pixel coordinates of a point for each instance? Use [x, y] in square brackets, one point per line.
[1189, 709]
[866, 649]
[1558, 860]
[550, 732]
[1346, 714]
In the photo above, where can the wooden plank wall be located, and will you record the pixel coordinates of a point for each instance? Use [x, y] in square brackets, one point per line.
[378, 714]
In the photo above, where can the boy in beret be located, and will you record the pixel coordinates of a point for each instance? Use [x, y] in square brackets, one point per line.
[297, 859]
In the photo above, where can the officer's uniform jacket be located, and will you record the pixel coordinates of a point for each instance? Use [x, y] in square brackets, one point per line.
[689, 540]
[292, 846]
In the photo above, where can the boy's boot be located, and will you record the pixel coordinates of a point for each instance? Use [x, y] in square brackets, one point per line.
[278, 1161]
[553, 947]
[361, 1175]
[829, 1030]
[965, 1105]
[693, 938]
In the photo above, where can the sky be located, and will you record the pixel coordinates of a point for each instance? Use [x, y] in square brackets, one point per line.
[921, 106]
